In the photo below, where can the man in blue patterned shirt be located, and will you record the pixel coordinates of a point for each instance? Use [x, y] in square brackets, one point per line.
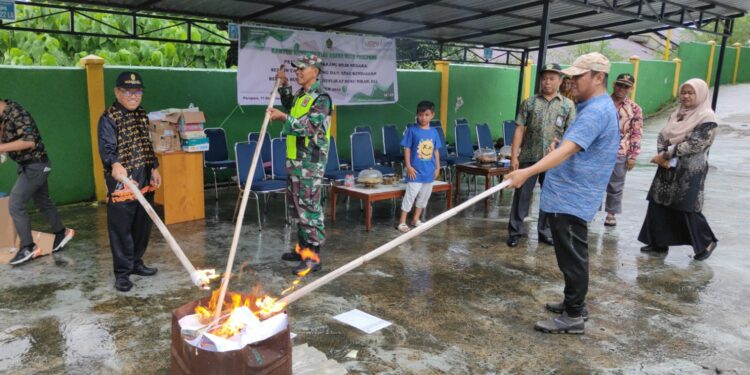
[577, 175]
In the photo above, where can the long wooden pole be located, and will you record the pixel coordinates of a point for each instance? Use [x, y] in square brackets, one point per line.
[201, 278]
[243, 205]
[299, 293]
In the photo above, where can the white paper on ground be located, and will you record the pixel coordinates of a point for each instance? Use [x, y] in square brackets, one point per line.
[362, 321]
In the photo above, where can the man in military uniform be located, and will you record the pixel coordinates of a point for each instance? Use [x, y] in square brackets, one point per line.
[308, 133]
[125, 149]
[631, 129]
[542, 119]
[20, 138]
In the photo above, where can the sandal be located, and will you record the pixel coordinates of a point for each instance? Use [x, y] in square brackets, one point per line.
[610, 221]
[418, 223]
[403, 228]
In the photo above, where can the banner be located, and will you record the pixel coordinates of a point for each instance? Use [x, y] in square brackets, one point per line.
[356, 69]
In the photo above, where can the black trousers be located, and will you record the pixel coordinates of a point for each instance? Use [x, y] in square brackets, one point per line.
[570, 234]
[129, 229]
[666, 226]
[519, 209]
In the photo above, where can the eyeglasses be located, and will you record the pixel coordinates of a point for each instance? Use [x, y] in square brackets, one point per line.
[131, 92]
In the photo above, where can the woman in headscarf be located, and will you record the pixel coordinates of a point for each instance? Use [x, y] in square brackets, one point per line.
[674, 214]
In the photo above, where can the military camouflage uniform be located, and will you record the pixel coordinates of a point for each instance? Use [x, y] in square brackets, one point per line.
[544, 120]
[305, 173]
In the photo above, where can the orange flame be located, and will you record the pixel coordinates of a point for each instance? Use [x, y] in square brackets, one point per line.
[263, 306]
[306, 253]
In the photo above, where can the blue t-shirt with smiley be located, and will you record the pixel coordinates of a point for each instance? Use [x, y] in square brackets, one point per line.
[424, 145]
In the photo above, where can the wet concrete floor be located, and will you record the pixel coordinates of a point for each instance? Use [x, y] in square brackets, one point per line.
[460, 300]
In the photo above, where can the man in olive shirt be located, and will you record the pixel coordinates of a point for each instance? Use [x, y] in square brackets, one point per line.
[20, 138]
[543, 118]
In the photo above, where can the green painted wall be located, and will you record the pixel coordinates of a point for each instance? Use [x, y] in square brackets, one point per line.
[694, 58]
[655, 83]
[489, 96]
[56, 99]
[743, 73]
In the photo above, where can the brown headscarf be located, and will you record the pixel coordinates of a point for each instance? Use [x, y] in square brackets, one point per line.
[682, 122]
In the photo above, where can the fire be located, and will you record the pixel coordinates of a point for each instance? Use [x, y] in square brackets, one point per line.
[263, 306]
[307, 253]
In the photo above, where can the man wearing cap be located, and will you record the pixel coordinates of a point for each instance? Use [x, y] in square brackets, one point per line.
[306, 124]
[631, 128]
[20, 138]
[125, 149]
[578, 170]
[541, 119]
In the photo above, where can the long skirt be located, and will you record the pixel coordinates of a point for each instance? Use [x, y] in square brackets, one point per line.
[665, 226]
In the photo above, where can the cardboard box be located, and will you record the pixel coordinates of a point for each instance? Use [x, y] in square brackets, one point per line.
[7, 229]
[9, 241]
[164, 129]
[195, 145]
[190, 117]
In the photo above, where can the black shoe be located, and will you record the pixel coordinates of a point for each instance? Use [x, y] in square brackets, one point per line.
[559, 308]
[142, 270]
[654, 249]
[547, 240]
[123, 284]
[512, 241]
[291, 257]
[706, 253]
[306, 267]
[62, 238]
[26, 253]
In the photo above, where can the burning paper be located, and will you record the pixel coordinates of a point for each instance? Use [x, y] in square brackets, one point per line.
[239, 324]
[362, 321]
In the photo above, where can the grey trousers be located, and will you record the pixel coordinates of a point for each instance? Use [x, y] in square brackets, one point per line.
[520, 207]
[616, 186]
[32, 184]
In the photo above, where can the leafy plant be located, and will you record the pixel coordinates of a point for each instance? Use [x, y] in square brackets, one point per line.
[30, 48]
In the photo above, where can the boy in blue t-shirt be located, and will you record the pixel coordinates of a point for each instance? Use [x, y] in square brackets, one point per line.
[422, 163]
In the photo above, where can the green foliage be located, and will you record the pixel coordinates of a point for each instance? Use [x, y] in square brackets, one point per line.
[29, 48]
[602, 47]
[740, 34]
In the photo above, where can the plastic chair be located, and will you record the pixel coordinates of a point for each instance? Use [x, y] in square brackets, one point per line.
[484, 136]
[244, 154]
[392, 144]
[217, 156]
[333, 167]
[363, 128]
[509, 130]
[463, 141]
[278, 159]
[265, 152]
[363, 155]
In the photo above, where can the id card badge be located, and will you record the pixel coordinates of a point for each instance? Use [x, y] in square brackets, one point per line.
[559, 122]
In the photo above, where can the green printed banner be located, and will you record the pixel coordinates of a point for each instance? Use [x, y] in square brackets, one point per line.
[356, 69]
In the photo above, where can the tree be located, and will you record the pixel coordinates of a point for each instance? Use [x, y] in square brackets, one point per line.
[740, 34]
[29, 48]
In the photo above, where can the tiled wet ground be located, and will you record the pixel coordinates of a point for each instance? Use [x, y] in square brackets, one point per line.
[460, 300]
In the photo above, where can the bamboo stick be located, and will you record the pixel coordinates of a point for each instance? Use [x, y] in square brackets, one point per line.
[299, 293]
[201, 278]
[243, 205]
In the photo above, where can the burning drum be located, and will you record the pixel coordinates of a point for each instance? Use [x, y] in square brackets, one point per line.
[270, 356]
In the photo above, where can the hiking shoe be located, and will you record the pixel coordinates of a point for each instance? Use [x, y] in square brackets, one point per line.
[62, 238]
[654, 249]
[561, 324]
[306, 267]
[25, 254]
[559, 308]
